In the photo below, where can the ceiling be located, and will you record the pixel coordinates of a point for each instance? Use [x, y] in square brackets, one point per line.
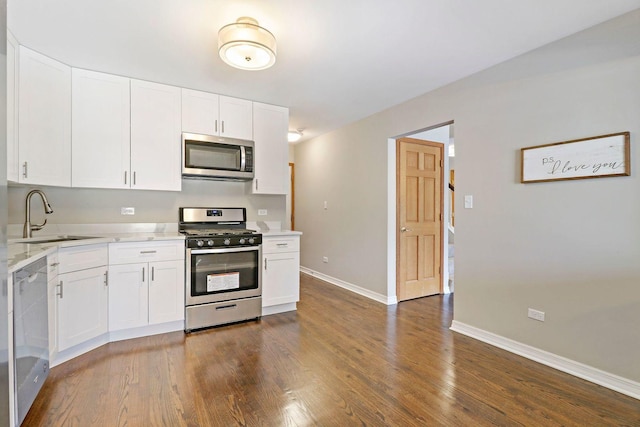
[338, 60]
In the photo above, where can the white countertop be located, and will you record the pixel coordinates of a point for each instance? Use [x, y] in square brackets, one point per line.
[273, 233]
[21, 254]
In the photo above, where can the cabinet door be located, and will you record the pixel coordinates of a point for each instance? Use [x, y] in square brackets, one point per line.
[155, 136]
[166, 291]
[236, 118]
[44, 120]
[100, 130]
[271, 157]
[12, 107]
[52, 292]
[128, 296]
[281, 278]
[200, 112]
[82, 306]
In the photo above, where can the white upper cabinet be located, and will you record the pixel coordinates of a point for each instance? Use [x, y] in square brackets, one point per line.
[44, 120]
[210, 114]
[271, 157]
[200, 112]
[12, 107]
[236, 118]
[155, 136]
[100, 130]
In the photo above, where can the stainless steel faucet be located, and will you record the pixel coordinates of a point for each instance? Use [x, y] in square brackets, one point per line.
[28, 227]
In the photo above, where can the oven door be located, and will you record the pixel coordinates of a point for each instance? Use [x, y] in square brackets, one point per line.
[215, 275]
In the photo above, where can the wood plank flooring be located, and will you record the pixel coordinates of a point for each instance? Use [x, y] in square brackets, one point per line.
[340, 360]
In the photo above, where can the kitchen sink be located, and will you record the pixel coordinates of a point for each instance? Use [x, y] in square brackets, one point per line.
[53, 239]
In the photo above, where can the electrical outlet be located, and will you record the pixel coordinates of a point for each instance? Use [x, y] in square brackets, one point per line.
[262, 212]
[127, 211]
[325, 259]
[535, 315]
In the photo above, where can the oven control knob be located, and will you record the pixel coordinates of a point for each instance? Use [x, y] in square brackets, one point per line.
[199, 243]
[227, 241]
[242, 241]
[251, 240]
[210, 242]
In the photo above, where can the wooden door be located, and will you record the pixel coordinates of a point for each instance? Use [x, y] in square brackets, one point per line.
[419, 218]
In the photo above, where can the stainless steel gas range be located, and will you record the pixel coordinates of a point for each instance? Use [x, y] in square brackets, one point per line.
[223, 267]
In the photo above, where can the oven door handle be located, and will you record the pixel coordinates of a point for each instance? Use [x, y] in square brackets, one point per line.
[224, 250]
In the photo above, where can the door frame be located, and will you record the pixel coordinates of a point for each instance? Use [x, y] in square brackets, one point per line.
[441, 146]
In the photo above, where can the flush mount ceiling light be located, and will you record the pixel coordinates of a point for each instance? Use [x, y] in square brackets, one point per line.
[294, 135]
[246, 45]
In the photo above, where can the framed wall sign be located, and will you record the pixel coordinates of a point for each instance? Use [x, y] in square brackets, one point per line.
[596, 157]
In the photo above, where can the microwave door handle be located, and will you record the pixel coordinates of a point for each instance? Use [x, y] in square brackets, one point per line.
[243, 158]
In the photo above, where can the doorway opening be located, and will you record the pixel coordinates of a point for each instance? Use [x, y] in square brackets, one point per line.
[443, 134]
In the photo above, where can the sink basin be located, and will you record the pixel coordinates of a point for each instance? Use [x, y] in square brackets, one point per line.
[53, 239]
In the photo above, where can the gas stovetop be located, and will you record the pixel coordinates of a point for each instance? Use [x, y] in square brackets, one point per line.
[216, 227]
[217, 232]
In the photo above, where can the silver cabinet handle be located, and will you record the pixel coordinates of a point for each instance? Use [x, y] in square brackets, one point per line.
[54, 264]
[143, 274]
[282, 245]
[60, 294]
[265, 263]
[153, 273]
[148, 252]
[125, 177]
[106, 278]
[134, 177]
[256, 184]
[24, 169]
[223, 126]
[216, 125]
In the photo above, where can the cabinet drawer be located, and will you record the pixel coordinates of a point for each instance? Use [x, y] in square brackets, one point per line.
[272, 245]
[134, 252]
[82, 257]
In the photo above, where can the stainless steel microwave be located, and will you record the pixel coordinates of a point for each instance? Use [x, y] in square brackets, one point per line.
[213, 157]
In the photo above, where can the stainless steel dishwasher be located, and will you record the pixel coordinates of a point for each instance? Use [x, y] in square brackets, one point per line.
[30, 333]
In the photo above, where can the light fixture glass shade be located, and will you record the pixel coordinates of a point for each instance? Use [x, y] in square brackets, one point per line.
[246, 45]
[294, 136]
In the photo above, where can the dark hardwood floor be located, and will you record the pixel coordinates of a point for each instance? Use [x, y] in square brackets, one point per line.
[340, 360]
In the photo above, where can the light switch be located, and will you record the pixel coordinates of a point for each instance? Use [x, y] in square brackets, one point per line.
[325, 204]
[262, 212]
[468, 202]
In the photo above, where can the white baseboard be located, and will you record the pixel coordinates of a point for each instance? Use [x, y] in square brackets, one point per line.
[589, 373]
[125, 334]
[145, 331]
[388, 300]
[280, 308]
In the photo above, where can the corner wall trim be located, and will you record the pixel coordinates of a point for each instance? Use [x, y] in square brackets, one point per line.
[577, 369]
[387, 300]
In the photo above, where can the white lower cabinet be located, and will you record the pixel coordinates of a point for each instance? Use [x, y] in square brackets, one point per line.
[128, 296]
[281, 273]
[81, 294]
[82, 306]
[146, 283]
[166, 291]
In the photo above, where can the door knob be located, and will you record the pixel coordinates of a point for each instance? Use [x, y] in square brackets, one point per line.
[403, 229]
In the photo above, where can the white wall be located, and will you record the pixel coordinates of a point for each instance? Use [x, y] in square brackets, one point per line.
[568, 248]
